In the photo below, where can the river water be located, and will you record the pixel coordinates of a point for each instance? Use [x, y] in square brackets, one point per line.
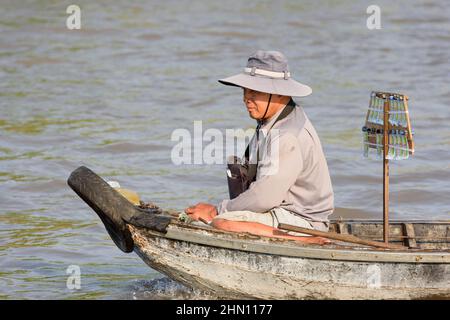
[110, 95]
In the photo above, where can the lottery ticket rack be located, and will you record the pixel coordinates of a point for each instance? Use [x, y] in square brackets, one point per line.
[388, 130]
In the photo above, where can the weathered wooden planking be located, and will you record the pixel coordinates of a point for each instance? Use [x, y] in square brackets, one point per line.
[408, 230]
[212, 238]
[427, 234]
[342, 237]
[237, 273]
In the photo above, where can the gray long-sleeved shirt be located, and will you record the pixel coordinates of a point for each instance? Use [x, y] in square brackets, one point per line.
[292, 171]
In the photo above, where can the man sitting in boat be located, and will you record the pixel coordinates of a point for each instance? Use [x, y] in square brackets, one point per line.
[299, 191]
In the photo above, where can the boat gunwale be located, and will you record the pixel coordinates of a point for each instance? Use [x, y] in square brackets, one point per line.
[391, 222]
[245, 242]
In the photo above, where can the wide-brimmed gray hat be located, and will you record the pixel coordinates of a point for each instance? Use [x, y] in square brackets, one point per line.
[268, 71]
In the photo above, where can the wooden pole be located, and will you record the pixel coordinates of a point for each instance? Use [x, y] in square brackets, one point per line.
[386, 171]
[341, 237]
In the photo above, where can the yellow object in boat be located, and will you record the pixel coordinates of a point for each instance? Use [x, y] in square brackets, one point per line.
[130, 195]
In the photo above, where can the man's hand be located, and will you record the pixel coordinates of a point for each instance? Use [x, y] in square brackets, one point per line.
[204, 212]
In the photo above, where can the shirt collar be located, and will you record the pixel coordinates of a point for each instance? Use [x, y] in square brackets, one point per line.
[268, 123]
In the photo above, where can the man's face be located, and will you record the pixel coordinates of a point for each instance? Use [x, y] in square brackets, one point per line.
[256, 102]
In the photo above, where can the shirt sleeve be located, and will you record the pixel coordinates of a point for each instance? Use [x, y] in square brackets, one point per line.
[276, 174]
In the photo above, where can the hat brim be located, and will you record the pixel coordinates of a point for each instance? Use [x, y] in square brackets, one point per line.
[283, 87]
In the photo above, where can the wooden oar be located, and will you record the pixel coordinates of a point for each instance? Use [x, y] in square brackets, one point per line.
[341, 237]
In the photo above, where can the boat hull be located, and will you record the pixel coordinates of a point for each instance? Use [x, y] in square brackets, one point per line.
[239, 265]
[230, 273]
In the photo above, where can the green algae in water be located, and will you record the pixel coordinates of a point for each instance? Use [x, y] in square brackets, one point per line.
[34, 230]
[39, 124]
[25, 155]
[347, 137]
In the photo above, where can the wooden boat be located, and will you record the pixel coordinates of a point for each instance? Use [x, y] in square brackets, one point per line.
[242, 266]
